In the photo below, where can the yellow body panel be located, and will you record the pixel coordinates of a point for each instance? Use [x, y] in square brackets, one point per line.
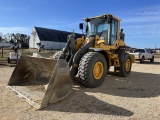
[132, 58]
[113, 59]
[79, 42]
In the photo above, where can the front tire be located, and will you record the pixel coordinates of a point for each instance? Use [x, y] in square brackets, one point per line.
[125, 66]
[92, 69]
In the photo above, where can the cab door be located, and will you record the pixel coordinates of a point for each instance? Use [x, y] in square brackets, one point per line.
[114, 29]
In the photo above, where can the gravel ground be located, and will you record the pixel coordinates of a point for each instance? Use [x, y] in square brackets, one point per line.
[133, 97]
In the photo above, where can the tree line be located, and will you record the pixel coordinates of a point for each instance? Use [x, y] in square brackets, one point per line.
[23, 39]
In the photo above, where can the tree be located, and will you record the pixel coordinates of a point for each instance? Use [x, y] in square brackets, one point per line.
[21, 38]
[6, 37]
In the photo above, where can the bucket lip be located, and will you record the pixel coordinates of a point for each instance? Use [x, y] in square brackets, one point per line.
[29, 101]
[39, 57]
[42, 57]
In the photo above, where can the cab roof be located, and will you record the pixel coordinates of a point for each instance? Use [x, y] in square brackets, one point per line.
[101, 16]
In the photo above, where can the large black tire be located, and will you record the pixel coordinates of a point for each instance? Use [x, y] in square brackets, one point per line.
[152, 60]
[142, 60]
[108, 68]
[87, 66]
[124, 70]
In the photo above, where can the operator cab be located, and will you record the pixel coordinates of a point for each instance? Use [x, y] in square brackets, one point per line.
[105, 26]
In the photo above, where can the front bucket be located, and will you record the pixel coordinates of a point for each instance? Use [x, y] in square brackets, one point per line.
[41, 81]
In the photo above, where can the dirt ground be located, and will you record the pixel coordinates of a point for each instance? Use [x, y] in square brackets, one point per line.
[133, 97]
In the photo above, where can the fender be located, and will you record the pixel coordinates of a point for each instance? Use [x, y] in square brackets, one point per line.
[79, 54]
[96, 50]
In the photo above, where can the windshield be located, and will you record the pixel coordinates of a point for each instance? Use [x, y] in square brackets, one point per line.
[98, 27]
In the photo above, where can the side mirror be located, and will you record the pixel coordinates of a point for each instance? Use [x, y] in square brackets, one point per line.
[81, 26]
[122, 35]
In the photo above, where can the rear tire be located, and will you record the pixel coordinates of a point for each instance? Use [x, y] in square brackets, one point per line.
[125, 66]
[92, 69]
[108, 68]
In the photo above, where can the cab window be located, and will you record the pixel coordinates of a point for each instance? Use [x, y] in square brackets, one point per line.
[114, 31]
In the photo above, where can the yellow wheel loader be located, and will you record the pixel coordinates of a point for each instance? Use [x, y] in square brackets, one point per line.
[43, 81]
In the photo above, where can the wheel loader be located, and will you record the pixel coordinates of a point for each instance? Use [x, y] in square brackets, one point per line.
[43, 81]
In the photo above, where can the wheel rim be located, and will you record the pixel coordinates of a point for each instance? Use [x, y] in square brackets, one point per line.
[128, 65]
[98, 70]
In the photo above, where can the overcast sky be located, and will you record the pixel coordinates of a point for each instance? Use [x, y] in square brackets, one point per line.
[140, 18]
